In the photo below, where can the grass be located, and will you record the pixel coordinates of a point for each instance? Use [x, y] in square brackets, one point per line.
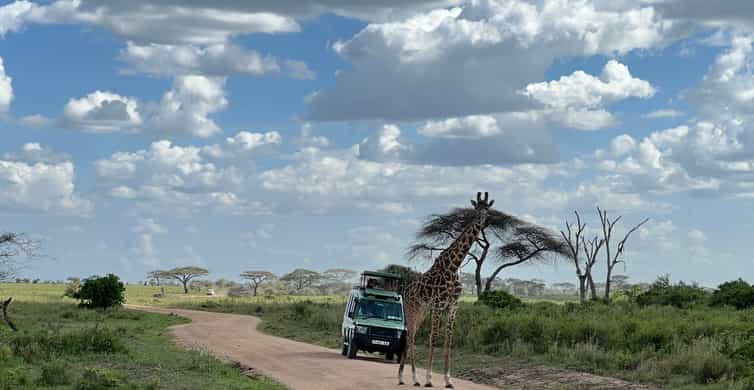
[694, 348]
[699, 348]
[62, 346]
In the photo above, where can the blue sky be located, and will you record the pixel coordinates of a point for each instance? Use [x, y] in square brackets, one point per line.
[319, 133]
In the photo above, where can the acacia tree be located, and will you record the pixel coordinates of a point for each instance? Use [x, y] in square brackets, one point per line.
[257, 278]
[342, 275]
[405, 274]
[301, 278]
[185, 274]
[440, 230]
[607, 234]
[529, 243]
[12, 246]
[156, 275]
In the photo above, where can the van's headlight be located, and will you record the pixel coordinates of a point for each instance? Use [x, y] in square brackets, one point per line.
[361, 329]
[398, 334]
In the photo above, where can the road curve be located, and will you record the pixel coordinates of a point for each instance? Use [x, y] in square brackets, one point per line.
[299, 366]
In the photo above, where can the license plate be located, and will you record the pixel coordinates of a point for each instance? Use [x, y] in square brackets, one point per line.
[380, 342]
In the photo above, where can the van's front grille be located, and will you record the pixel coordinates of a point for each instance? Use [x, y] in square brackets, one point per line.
[382, 332]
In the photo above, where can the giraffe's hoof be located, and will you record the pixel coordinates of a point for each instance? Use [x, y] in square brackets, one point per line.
[401, 383]
[417, 384]
[428, 384]
[449, 386]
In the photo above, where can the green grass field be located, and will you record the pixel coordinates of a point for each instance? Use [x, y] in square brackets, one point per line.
[62, 346]
[699, 348]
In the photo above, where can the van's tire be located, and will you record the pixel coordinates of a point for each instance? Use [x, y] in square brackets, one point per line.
[344, 349]
[389, 356]
[353, 348]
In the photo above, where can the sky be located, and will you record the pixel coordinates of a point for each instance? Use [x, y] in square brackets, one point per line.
[281, 134]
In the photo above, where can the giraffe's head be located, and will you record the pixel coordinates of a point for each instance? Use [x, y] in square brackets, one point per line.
[482, 205]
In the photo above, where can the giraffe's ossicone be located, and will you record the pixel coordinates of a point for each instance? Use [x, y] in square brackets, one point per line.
[437, 291]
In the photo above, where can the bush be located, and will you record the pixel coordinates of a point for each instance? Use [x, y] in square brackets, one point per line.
[101, 292]
[44, 345]
[56, 373]
[94, 379]
[680, 295]
[736, 293]
[499, 299]
[73, 286]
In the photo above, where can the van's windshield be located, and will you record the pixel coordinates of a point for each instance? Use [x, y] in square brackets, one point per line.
[369, 308]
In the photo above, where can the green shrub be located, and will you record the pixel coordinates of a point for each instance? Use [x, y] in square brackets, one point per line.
[43, 345]
[55, 373]
[680, 295]
[101, 292]
[499, 299]
[736, 293]
[73, 286]
[94, 379]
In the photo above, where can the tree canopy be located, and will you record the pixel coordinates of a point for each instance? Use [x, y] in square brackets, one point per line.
[186, 274]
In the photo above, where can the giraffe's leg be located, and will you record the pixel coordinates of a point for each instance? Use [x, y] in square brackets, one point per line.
[407, 349]
[432, 335]
[450, 322]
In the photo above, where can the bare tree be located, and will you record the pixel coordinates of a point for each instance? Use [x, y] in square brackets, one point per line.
[12, 246]
[440, 230]
[301, 278]
[257, 278]
[529, 243]
[591, 250]
[607, 233]
[185, 274]
[573, 239]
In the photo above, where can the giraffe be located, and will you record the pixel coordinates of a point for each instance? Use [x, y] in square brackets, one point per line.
[438, 290]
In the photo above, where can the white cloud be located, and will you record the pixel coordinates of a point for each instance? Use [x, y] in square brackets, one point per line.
[170, 176]
[516, 137]
[6, 87]
[102, 112]
[663, 113]
[250, 240]
[148, 226]
[473, 126]
[307, 138]
[243, 143]
[185, 108]
[384, 146]
[218, 59]
[40, 186]
[475, 60]
[582, 90]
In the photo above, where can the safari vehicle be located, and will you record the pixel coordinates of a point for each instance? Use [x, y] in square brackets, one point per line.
[373, 320]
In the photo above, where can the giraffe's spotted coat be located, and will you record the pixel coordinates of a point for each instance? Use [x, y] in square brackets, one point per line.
[437, 291]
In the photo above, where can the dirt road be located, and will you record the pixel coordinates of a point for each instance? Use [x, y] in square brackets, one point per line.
[298, 365]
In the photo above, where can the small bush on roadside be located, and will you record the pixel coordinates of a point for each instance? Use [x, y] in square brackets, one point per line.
[499, 299]
[736, 293]
[679, 295]
[101, 292]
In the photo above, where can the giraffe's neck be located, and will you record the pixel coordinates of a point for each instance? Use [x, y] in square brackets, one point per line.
[452, 257]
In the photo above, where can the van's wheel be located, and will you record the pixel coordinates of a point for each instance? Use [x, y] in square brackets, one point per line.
[344, 349]
[389, 356]
[352, 348]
